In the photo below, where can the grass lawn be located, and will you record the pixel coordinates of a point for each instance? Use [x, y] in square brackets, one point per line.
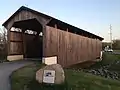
[108, 58]
[24, 79]
[116, 50]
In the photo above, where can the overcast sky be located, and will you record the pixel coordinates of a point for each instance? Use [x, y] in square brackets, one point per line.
[94, 16]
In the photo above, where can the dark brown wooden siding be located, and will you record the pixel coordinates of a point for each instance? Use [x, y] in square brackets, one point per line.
[28, 45]
[26, 15]
[16, 43]
[70, 48]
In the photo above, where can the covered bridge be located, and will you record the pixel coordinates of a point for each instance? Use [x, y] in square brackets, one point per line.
[32, 34]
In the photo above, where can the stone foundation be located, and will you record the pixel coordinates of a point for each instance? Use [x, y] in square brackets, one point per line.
[14, 57]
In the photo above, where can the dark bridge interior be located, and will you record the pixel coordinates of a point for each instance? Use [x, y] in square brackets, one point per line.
[32, 40]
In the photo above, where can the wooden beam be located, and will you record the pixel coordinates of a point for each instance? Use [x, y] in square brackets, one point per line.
[15, 41]
[8, 42]
[67, 29]
[55, 25]
[24, 43]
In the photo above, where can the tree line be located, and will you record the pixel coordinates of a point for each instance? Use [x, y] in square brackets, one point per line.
[3, 44]
[115, 44]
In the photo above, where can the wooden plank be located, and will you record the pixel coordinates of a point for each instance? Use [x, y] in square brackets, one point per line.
[16, 48]
[24, 43]
[15, 36]
[8, 42]
[70, 48]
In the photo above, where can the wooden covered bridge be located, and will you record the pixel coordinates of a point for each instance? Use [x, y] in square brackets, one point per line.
[32, 34]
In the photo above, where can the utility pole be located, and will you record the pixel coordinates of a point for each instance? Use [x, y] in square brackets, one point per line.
[111, 36]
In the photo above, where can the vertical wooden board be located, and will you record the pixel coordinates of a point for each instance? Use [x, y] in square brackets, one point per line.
[88, 58]
[66, 42]
[53, 39]
[63, 48]
[56, 42]
[58, 45]
[16, 36]
[16, 48]
[71, 55]
[92, 48]
[87, 49]
[97, 48]
[77, 48]
[63, 53]
[47, 49]
[60, 49]
[99, 45]
[84, 49]
[80, 48]
[67, 48]
[65, 34]
[92, 51]
[59, 36]
[73, 48]
[52, 42]
[45, 41]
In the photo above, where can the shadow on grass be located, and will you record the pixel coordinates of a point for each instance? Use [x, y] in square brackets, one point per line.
[34, 85]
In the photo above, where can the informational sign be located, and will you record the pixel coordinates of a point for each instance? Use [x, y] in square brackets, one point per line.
[49, 76]
[50, 60]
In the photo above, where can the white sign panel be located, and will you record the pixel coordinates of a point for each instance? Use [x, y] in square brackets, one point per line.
[49, 76]
[50, 60]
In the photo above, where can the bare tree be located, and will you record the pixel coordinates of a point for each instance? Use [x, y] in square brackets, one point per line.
[3, 42]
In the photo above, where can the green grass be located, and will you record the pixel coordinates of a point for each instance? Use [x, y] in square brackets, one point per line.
[24, 79]
[116, 50]
[108, 58]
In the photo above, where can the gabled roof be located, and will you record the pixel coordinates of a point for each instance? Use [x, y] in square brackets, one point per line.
[53, 21]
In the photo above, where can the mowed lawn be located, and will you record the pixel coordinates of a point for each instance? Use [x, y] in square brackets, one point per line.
[24, 79]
